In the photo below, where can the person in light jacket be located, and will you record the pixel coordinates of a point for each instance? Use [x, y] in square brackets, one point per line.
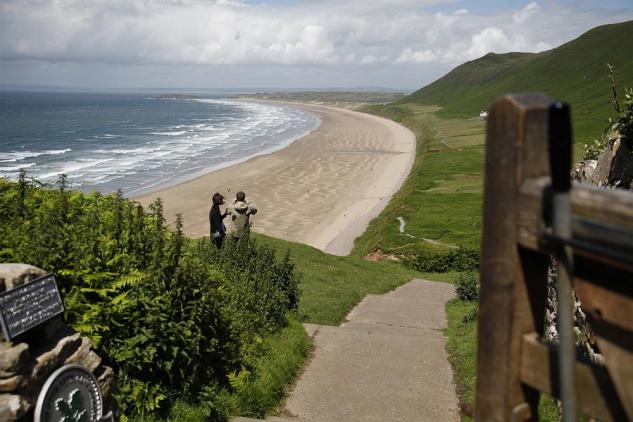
[240, 212]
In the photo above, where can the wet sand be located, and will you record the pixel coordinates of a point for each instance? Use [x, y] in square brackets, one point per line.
[322, 190]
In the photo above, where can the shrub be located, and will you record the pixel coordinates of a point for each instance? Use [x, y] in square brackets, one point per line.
[440, 261]
[593, 151]
[173, 316]
[467, 287]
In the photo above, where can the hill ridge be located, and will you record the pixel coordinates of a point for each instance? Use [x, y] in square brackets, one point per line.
[575, 71]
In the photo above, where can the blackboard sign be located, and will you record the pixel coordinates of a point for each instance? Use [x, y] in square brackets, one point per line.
[29, 305]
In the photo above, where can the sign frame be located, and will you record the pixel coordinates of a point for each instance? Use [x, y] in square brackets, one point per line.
[50, 381]
[8, 333]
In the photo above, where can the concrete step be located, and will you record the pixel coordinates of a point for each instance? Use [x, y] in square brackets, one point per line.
[385, 363]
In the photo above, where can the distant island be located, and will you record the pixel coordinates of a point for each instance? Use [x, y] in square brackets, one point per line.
[328, 96]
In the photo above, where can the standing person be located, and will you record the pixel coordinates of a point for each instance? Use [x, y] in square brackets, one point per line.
[240, 213]
[218, 230]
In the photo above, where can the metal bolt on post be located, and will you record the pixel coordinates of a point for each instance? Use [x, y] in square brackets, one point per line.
[560, 139]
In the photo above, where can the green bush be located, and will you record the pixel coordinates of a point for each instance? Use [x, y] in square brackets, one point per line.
[624, 121]
[441, 261]
[467, 287]
[173, 316]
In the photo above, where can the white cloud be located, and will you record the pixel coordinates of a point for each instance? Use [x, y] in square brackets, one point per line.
[489, 39]
[410, 56]
[231, 3]
[401, 35]
[526, 13]
[369, 59]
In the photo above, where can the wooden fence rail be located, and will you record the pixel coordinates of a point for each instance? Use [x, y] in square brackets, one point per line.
[514, 364]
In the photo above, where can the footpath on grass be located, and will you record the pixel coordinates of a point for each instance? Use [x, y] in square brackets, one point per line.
[386, 362]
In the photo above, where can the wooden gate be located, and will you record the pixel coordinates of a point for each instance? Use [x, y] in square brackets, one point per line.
[514, 364]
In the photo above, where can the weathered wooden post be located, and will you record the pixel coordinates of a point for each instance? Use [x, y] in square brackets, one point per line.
[515, 362]
[510, 305]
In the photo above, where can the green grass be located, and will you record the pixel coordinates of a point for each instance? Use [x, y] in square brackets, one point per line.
[331, 286]
[575, 72]
[462, 347]
[259, 393]
[442, 197]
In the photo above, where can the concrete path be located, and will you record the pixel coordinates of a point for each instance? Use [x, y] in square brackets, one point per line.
[385, 363]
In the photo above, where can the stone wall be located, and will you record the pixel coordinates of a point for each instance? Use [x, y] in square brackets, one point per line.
[612, 170]
[26, 362]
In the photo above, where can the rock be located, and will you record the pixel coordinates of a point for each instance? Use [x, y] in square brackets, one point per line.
[12, 407]
[584, 170]
[14, 275]
[600, 176]
[614, 167]
[106, 380]
[11, 385]
[12, 358]
[621, 171]
[50, 360]
[84, 356]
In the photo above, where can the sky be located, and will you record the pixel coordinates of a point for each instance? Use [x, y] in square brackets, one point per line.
[276, 44]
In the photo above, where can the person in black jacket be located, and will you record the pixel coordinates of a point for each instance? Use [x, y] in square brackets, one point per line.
[218, 230]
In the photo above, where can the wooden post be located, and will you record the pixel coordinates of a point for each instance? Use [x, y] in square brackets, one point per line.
[513, 287]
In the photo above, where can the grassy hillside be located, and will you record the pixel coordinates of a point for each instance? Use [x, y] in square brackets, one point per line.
[440, 202]
[575, 72]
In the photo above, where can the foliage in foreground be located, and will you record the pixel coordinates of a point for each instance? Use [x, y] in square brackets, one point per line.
[174, 317]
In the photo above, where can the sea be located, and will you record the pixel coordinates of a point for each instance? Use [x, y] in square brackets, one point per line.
[137, 143]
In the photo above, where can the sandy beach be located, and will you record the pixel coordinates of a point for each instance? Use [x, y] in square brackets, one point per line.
[322, 190]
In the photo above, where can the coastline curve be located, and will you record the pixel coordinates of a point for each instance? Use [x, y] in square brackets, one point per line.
[322, 190]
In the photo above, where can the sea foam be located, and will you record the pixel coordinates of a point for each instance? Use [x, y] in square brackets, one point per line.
[168, 144]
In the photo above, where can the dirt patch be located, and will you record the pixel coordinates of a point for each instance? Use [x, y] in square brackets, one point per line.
[379, 255]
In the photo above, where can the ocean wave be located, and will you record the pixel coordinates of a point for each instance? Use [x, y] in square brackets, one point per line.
[14, 156]
[154, 154]
[16, 168]
[168, 133]
[135, 151]
[72, 167]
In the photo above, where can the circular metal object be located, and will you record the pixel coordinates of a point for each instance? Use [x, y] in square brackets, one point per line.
[70, 394]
